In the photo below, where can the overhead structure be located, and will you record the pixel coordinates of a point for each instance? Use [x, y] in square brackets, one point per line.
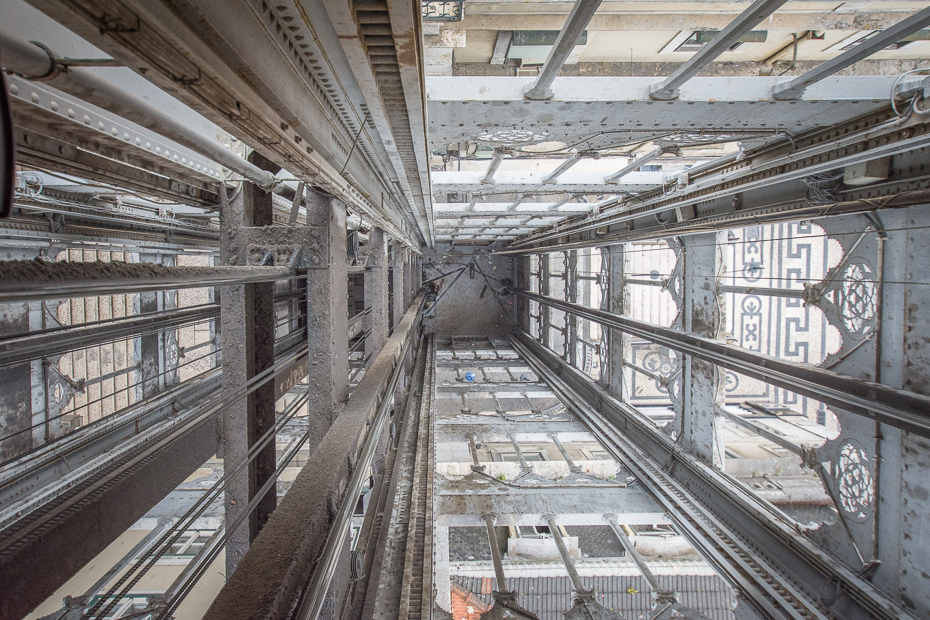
[378, 310]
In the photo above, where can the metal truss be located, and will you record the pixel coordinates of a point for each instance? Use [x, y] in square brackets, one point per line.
[700, 196]
[185, 54]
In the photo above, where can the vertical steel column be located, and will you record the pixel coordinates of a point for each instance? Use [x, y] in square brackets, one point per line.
[248, 320]
[578, 18]
[327, 314]
[544, 309]
[702, 314]
[577, 584]
[399, 305]
[571, 333]
[555, 206]
[572, 467]
[524, 465]
[262, 400]
[618, 343]
[376, 292]
[476, 465]
[495, 554]
[151, 360]
[747, 20]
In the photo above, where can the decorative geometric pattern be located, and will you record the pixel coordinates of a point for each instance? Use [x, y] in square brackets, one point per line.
[513, 137]
[857, 296]
[854, 481]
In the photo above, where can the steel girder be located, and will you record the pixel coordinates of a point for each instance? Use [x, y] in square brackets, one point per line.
[60, 132]
[50, 342]
[893, 195]
[573, 181]
[615, 18]
[759, 549]
[31, 280]
[770, 171]
[242, 66]
[610, 111]
[899, 408]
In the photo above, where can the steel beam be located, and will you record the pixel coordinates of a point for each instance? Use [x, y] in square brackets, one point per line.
[492, 169]
[31, 280]
[747, 20]
[571, 182]
[31, 61]
[636, 164]
[794, 89]
[739, 108]
[818, 152]
[370, 75]
[97, 160]
[581, 13]
[898, 408]
[376, 292]
[47, 471]
[179, 50]
[565, 165]
[51, 342]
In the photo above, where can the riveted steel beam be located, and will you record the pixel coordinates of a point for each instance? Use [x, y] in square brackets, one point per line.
[865, 139]
[714, 108]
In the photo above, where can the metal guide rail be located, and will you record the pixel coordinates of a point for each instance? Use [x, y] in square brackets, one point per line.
[900, 408]
[416, 591]
[776, 584]
[391, 498]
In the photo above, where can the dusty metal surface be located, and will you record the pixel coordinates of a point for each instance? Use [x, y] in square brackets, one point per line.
[469, 302]
[281, 560]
